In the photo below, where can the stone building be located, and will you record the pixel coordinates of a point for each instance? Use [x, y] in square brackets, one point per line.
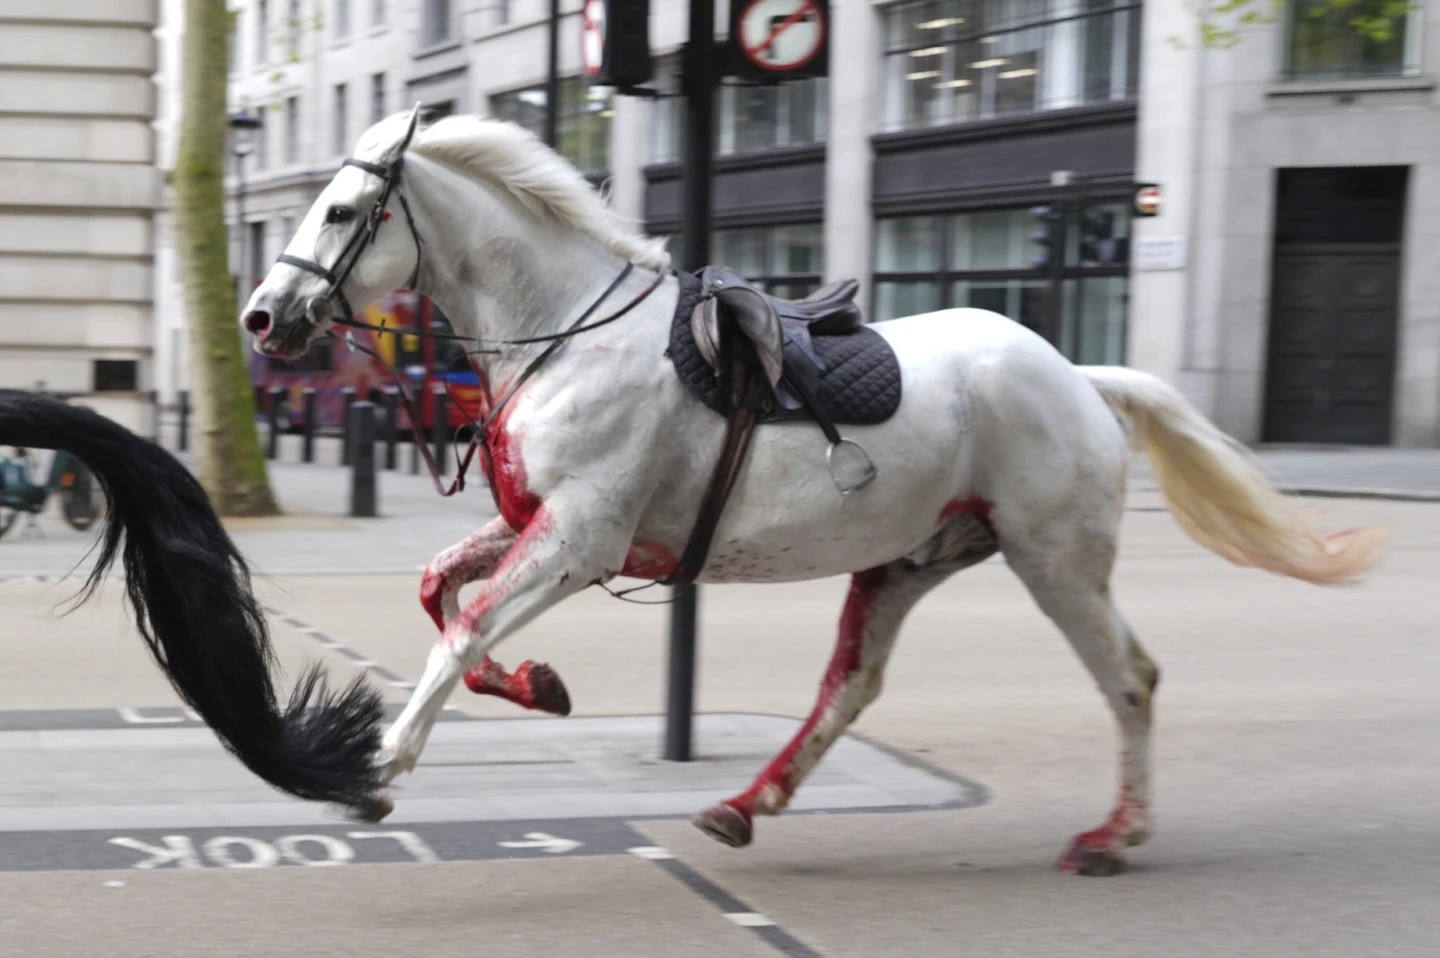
[78, 190]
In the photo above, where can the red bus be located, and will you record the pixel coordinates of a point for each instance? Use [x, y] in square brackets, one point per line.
[426, 365]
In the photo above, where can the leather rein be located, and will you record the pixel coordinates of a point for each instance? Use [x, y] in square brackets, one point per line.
[740, 425]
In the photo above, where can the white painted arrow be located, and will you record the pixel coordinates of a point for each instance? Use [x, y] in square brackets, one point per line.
[549, 843]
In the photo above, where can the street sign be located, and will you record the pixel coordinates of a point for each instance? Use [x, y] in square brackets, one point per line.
[1147, 199]
[779, 39]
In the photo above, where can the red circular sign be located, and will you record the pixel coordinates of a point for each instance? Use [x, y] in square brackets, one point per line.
[781, 34]
[1147, 200]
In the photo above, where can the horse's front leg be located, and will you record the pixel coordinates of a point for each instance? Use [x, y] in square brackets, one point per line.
[556, 555]
[534, 685]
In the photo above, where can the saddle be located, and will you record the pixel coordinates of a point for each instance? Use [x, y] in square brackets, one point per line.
[757, 358]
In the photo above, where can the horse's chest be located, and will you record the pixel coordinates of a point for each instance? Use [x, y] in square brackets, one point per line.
[509, 482]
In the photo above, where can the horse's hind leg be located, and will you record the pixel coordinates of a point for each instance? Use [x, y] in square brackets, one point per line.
[1072, 588]
[879, 599]
[534, 685]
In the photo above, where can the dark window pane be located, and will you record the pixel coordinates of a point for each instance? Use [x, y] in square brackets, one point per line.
[116, 375]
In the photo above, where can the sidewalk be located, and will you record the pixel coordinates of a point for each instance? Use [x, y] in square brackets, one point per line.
[316, 534]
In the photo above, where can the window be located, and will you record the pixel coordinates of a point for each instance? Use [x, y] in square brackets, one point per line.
[435, 22]
[292, 129]
[262, 32]
[582, 126]
[1322, 41]
[377, 13]
[377, 98]
[990, 259]
[341, 119]
[292, 30]
[342, 18]
[785, 260]
[957, 61]
[262, 143]
[116, 375]
[751, 117]
[430, 112]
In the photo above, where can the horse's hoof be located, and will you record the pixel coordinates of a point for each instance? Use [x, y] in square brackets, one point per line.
[373, 811]
[726, 824]
[547, 691]
[1091, 860]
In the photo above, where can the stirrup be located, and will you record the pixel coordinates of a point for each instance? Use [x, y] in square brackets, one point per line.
[871, 472]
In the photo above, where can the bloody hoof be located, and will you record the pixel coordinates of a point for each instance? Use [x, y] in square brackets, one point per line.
[372, 811]
[547, 690]
[1091, 860]
[726, 824]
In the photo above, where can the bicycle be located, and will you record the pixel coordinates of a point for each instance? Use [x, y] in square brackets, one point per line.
[81, 500]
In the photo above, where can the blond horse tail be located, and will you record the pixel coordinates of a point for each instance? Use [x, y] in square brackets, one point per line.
[1219, 495]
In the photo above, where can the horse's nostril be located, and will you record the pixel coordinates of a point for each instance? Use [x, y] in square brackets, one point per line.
[257, 322]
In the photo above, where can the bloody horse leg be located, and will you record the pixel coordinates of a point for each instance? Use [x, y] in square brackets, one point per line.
[533, 685]
[879, 599]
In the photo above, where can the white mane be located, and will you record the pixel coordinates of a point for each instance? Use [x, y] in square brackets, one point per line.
[539, 178]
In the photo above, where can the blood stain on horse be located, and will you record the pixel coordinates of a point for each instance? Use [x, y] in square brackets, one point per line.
[976, 507]
[778, 781]
[509, 485]
[649, 560]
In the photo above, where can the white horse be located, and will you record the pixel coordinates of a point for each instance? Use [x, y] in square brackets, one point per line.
[598, 457]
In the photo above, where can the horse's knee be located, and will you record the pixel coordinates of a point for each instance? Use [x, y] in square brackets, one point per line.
[432, 595]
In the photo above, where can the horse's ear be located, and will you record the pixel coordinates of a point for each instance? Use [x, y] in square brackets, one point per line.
[398, 150]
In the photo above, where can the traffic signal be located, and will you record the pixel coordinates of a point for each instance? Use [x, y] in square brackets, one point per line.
[1047, 236]
[615, 42]
[1098, 242]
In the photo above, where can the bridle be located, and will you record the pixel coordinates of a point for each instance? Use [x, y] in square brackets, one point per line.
[363, 237]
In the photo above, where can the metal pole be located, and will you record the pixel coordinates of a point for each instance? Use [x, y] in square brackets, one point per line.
[307, 448]
[700, 68]
[440, 428]
[552, 79]
[392, 428]
[347, 438]
[272, 418]
[361, 425]
[241, 266]
[184, 442]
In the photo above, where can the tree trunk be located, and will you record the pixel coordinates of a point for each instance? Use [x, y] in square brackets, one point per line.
[229, 460]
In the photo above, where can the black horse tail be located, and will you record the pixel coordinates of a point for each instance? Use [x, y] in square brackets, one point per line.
[190, 590]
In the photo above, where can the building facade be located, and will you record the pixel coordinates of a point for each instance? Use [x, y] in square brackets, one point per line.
[973, 152]
[1295, 290]
[78, 191]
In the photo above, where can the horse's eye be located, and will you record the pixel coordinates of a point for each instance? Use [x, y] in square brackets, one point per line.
[338, 214]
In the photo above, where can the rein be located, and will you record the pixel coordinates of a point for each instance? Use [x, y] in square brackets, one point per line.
[481, 429]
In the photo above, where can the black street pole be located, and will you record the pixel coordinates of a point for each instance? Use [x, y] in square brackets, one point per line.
[700, 74]
[552, 79]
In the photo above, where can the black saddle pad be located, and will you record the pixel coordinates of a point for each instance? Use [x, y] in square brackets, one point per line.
[859, 375]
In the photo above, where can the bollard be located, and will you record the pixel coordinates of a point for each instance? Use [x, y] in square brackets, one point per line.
[347, 441]
[392, 427]
[184, 420]
[307, 426]
[360, 426]
[272, 418]
[441, 428]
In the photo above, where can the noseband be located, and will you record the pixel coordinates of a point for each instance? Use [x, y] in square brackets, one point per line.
[365, 236]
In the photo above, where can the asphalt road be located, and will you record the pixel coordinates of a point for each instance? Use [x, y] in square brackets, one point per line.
[1296, 777]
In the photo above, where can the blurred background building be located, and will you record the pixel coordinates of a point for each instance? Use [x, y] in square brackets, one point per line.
[968, 152]
[78, 193]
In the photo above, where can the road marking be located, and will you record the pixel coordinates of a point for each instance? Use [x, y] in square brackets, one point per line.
[548, 843]
[654, 853]
[750, 919]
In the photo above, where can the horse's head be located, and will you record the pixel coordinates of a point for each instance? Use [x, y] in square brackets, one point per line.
[340, 259]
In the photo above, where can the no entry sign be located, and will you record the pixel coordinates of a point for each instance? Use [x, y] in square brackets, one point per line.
[779, 39]
[1147, 199]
